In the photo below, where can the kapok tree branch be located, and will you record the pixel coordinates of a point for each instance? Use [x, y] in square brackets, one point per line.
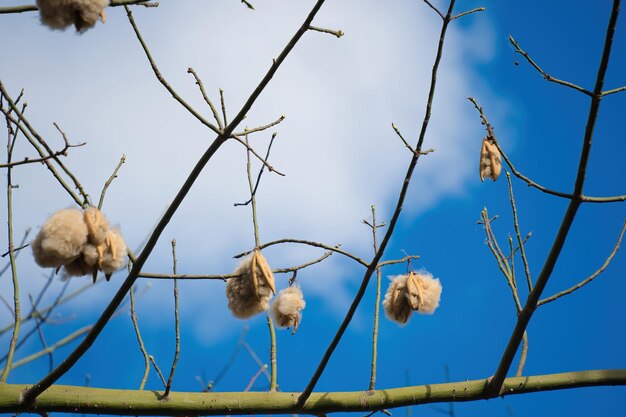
[30, 395]
[83, 400]
[524, 317]
[394, 219]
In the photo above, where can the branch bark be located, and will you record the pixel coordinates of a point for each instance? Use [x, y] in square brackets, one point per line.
[83, 400]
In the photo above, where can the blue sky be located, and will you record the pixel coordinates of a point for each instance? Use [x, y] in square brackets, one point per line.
[340, 155]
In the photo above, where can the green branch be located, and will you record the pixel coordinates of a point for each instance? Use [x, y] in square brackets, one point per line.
[83, 400]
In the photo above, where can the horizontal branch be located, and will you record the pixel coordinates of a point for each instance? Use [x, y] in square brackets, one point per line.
[34, 8]
[83, 400]
[309, 243]
[227, 276]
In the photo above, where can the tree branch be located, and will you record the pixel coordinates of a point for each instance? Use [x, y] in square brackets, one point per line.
[74, 399]
[35, 390]
[524, 317]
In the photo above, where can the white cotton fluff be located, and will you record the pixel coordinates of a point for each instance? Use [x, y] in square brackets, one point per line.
[61, 239]
[243, 300]
[287, 307]
[411, 292]
[59, 14]
[396, 303]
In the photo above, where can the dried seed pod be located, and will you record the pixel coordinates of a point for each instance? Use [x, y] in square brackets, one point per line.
[396, 303]
[61, 239]
[249, 293]
[97, 225]
[83, 14]
[287, 307]
[490, 161]
[114, 253]
[411, 292]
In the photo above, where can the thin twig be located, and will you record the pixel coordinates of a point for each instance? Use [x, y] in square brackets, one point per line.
[398, 261]
[142, 347]
[224, 277]
[216, 115]
[67, 339]
[223, 105]
[255, 358]
[248, 4]
[157, 369]
[247, 131]
[251, 149]
[255, 377]
[309, 243]
[42, 338]
[520, 242]
[35, 140]
[477, 9]
[435, 9]
[168, 387]
[163, 81]
[395, 128]
[613, 91]
[545, 75]
[110, 180]
[374, 228]
[592, 276]
[14, 278]
[258, 178]
[274, 369]
[338, 33]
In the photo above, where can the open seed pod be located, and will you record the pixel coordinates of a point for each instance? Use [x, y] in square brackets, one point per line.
[83, 14]
[80, 241]
[411, 292]
[249, 293]
[287, 307]
[490, 161]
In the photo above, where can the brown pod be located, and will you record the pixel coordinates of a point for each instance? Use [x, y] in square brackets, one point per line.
[490, 161]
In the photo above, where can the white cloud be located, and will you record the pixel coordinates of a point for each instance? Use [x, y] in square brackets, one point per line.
[336, 145]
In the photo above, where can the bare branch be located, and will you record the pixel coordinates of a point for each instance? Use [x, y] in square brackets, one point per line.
[247, 131]
[263, 161]
[545, 75]
[110, 180]
[477, 9]
[613, 91]
[216, 115]
[337, 33]
[590, 277]
[309, 243]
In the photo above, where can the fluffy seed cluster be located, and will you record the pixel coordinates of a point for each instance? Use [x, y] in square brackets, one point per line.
[490, 161]
[80, 241]
[287, 307]
[83, 14]
[250, 292]
[411, 292]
